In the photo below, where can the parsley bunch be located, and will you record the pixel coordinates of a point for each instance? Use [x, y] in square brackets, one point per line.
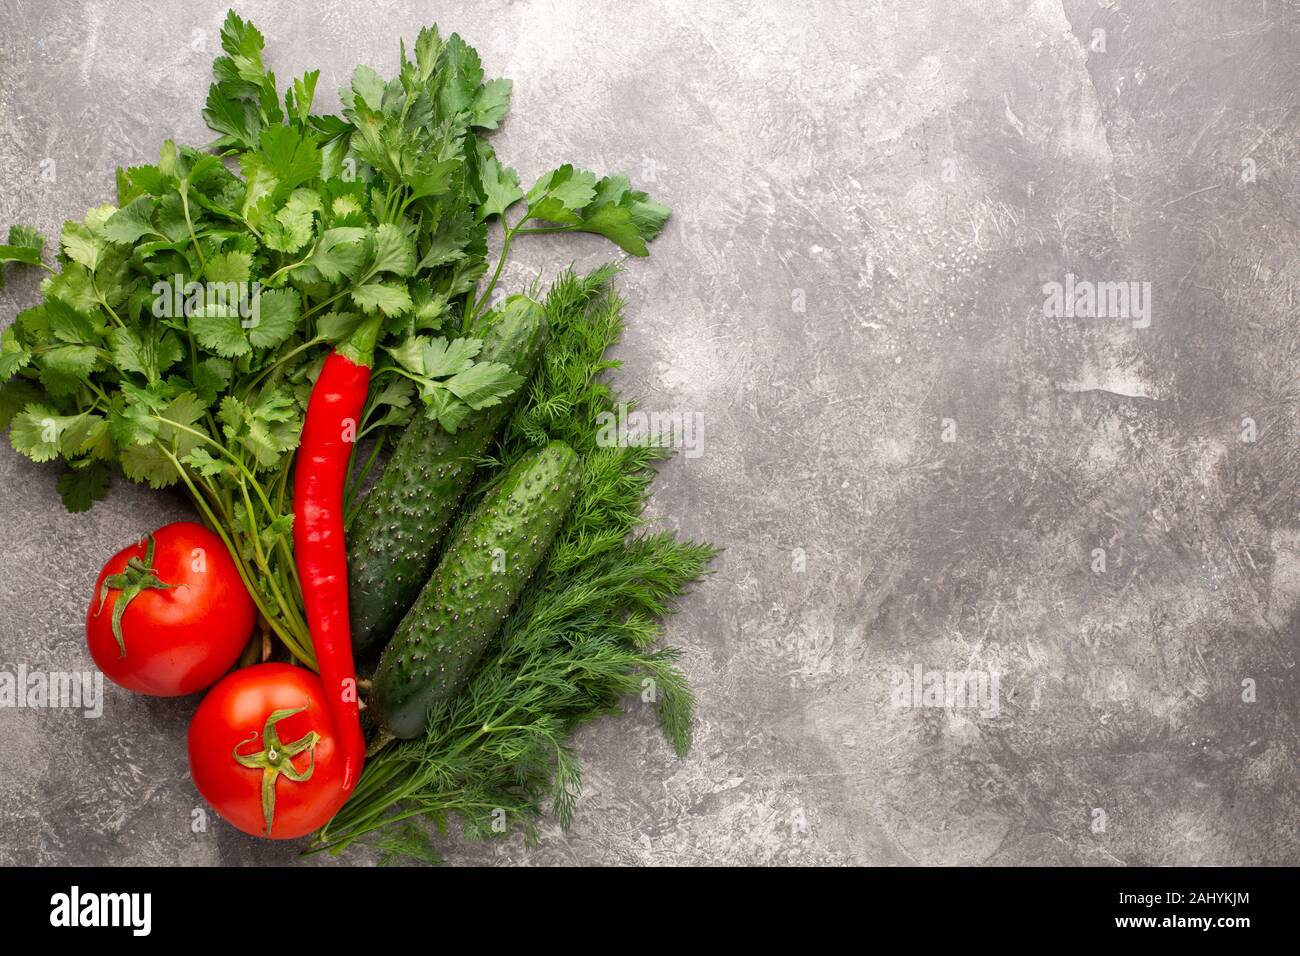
[180, 329]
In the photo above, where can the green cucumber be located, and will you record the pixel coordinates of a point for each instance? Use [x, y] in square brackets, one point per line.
[482, 572]
[393, 540]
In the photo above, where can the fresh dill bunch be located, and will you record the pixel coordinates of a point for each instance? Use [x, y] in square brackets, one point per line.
[577, 643]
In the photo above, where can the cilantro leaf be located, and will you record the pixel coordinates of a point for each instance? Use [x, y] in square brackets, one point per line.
[229, 267]
[35, 432]
[128, 351]
[25, 246]
[15, 395]
[81, 245]
[73, 286]
[131, 223]
[64, 367]
[339, 253]
[148, 460]
[274, 319]
[147, 353]
[13, 356]
[148, 179]
[219, 329]
[211, 376]
[26, 241]
[387, 297]
[82, 485]
[292, 226]
[260, 184]
[266, 429]
[67, 324]
[201, 460]
[92, 438]
[291, 154]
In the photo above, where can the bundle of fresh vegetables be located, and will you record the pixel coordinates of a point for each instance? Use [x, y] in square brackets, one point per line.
[237, 324]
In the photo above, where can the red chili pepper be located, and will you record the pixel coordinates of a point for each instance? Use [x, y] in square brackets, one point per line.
[328, 434]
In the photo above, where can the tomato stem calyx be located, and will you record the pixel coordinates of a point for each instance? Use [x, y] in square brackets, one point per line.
[277, 758]
[138, 575]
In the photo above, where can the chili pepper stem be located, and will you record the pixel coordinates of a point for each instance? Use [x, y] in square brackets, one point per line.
[359, 347]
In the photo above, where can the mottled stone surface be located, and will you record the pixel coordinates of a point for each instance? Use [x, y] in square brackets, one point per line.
[869, 199]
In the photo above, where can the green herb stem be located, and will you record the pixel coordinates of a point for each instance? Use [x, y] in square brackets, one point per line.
[299, 648]
[508, 235]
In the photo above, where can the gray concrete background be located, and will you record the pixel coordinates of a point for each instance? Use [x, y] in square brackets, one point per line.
[912, 173]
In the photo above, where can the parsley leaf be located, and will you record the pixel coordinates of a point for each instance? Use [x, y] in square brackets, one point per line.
[490, 104]
[440, 357]
[623, 215]
[442, 405]
[484, 384]
[559, 195]
[394, 252]
[500, 184]
[609, 208]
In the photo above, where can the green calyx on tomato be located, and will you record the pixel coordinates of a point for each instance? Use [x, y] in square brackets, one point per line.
[138, 575]
[277, 758]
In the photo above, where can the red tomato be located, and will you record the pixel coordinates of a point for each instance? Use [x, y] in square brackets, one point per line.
[262, 745]
[186, 614]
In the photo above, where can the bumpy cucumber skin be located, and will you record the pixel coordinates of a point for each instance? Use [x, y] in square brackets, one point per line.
[461, 608]
[393, 541]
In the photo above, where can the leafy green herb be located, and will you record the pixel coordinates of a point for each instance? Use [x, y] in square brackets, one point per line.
[181, 328]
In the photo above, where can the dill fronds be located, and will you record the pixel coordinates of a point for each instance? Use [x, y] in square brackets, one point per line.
[580, 640]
